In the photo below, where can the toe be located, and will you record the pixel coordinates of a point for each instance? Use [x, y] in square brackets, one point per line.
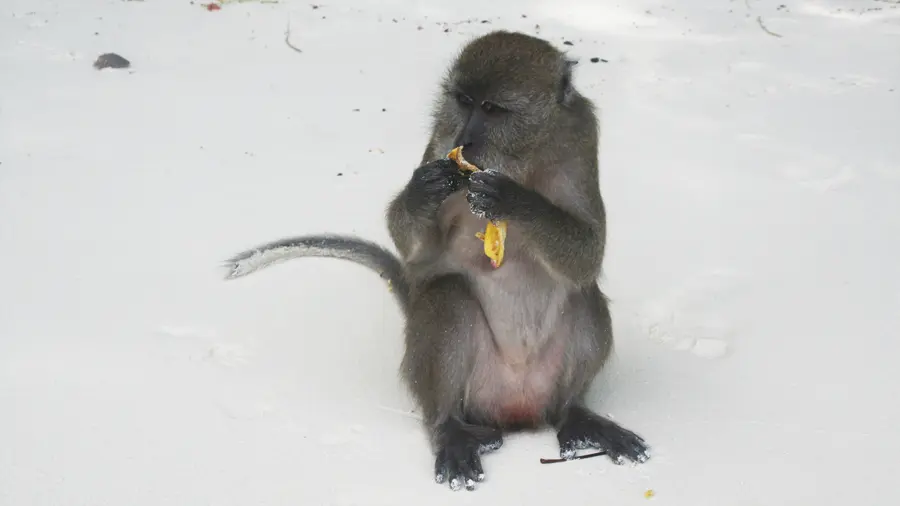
[640, 452]
[567, 450]
[475, 466]
[440, 467]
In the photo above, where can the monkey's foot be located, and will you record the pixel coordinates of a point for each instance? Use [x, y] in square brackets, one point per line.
[583, 429]
[459, 454]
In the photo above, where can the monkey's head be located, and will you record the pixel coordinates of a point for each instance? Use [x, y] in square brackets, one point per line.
[507, 98]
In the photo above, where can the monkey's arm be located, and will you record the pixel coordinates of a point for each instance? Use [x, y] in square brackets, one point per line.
[407, 231]
[412, 214]
[570, 241]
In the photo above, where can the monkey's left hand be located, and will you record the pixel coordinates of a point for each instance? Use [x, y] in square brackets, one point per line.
[495, 196]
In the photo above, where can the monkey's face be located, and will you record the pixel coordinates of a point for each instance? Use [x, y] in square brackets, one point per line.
[501, 100]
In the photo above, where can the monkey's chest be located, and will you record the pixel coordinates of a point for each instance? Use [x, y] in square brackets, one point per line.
[460, 229]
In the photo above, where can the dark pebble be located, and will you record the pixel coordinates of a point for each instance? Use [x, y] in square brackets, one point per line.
[111, 60]
[596, 60]
[568, 43]
[340, 173]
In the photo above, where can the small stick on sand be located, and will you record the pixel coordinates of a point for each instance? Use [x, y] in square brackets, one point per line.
[287, 38]
[761, 25]
[579, 457]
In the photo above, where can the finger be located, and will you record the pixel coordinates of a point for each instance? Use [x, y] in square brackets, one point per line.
[614, 452]
[450, 471]
[475, 465]
[479, 185]
[445, 163]
[482, 185]
[479, 198]
[440, 467]
[567, 450]
[457, 481]
[481, 209]
[468, 473]
[454, 182]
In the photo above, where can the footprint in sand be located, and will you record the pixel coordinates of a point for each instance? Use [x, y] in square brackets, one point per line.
[689, 319]
[814, 171]
[214, 350]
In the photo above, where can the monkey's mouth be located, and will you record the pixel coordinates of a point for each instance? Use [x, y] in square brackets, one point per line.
[474, 155]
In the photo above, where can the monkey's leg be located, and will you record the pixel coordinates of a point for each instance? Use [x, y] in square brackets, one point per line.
[444, 327]
[582, 428]
[579, 427]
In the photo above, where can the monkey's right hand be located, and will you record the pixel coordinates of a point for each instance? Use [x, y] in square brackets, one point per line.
[459, 455]
[431, 184]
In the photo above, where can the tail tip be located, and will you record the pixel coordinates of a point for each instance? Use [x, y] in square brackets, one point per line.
[236, 267]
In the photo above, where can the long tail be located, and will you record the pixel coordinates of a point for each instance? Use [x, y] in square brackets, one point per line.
[356, 250]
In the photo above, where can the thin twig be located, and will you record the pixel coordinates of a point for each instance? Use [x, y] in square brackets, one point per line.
[761, 25]
[579, 457]
[287, 38]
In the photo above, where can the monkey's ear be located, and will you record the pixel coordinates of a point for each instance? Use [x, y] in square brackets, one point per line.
[566, 88]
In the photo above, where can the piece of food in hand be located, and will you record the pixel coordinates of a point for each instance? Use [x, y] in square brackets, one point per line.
[456, 155]
[494, 235]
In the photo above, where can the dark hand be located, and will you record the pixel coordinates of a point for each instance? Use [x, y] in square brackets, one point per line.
[495, 196]
[431, 184]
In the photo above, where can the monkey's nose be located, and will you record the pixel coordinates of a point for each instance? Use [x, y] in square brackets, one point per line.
[463, 140]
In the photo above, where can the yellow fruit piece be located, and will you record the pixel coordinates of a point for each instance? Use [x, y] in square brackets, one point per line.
[649, 493]
[494, 235]
[456, 155]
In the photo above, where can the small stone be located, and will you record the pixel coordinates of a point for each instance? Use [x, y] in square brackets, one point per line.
[111, 60]
[568, 43]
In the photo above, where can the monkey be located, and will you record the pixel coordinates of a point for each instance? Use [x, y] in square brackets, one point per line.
[494, 350]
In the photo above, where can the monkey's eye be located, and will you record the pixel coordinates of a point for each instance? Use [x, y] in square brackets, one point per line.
[491, 108]
[464, 99]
